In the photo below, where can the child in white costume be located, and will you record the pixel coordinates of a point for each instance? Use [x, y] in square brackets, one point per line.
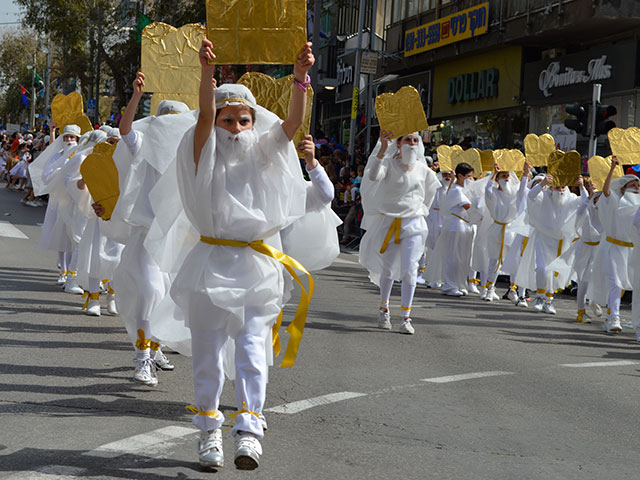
[451, 264]
[612, 269]
[239, 182]
[635, 307]
[46, 176]
[552, 214]
[502, 210]
[397, 191]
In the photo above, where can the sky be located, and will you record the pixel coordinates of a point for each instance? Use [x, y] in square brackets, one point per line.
[9, 12]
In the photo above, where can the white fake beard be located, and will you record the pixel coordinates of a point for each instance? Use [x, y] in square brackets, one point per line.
[558, 199]
[632, 196]
[232, 146]
[67, 146]
[408, 154]
[468, 182]
[507, 187]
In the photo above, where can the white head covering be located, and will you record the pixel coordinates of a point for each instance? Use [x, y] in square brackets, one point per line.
[114, 133]
[539, 177]
[72, 130]
[171, 106]
[105, 128]
[234, 94]
[618, 183]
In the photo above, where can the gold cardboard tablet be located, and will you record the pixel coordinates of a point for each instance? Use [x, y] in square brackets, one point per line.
[263, 32]
[599, 169]
[538, 148]
[510, 160]
[470, 156]
[487, 159]
[100, 174]
[401, 112]
[625, 144]
[564, 167]
[275, 95]
[444, 157]
[69, 110]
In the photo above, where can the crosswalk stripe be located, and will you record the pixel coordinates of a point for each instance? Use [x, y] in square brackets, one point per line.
[7, 229]
[615, 363]
[465, 376]
[50, 472]
[299, 406]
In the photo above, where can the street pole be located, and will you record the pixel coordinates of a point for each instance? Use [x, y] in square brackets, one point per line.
[47, 82]
[593, 139]
[356, 83]
[370, 92]
[32, 122]
[317, 12]
[97, 114]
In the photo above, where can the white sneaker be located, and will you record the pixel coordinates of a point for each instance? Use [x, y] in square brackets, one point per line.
[473, 289]
[522, 302]
[453, 293]
[248, 451]
[161, 360]
[612, 325]
[539, 305]
[210, 449]
[111, 304]
[513, 296]
[62, 279]
[491, 295]
[263, 421]
[548, 307]
[406, 327]
[72, 286]
[93, 309]
[434, 285]
[420, 280]
[638, 335]
[483, 295]
[146, 372]
[384, 320]
[596, 309]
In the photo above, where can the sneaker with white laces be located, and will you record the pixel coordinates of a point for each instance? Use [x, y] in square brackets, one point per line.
[453, 293]
[210, 449]
[612, 324]
[512, 296]
[62, 278]
[596, 309]
[539, 305]
[384, 320]
[420, 279]
[491, 295]
[549, 307]
[93, 308]
[473, 289]
[72, 286]
[406, 327]
[522, 302]
[248, 451]
[111, 304]
[145, 372]
[483, 295]
[161, 360]
[434, 285]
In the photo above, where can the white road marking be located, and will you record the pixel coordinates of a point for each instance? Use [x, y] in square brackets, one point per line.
[617, 363]
[342, 260]
[50, 472]
[8, 230]
[465, 376]
[147, 443]
[299, 406]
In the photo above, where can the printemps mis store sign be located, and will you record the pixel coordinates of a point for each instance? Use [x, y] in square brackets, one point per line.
[462, 25]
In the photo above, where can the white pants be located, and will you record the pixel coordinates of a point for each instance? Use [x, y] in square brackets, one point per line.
[208, 346]
[458, 260]
[409, 250]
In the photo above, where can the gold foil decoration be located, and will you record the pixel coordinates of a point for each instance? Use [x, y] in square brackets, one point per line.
[69, 110]
[538, 148]
[625, 144]
[100, 174]
[444, 157]
[599, 169]
[470, 156]
[190, 100]
[510, 160]
[169, 58]
[401, 112]
[487, 158]
[105, 108]
[275, 95]
[564, 167]
[257, 32]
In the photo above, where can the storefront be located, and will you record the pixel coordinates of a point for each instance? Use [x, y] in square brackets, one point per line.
[552, 83]
[477, 100]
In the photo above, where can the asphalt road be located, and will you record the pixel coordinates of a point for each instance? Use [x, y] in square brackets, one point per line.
[481, 391]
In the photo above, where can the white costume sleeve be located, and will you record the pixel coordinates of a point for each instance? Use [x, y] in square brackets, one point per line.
[132, 140]
[322, 188]
[377, 168]
[584, 201]
[534, 192]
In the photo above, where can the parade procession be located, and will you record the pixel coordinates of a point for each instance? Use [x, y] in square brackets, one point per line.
[208, 204]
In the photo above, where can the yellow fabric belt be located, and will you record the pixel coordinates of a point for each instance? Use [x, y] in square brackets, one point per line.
[619, 242]
[434, 208]
[524, 245]
[458, 216]
[593, 244]
[394, 231]
[560, 243]
[502, 232]
[89, 296]
[296, 327]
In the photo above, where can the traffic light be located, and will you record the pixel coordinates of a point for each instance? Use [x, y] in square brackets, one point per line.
[603, 112]
[581, 123]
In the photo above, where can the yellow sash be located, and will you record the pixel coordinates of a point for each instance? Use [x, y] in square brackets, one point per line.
[619, 242]
[296, 327]
[560, 243]
[394, 231]
[504, 226]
